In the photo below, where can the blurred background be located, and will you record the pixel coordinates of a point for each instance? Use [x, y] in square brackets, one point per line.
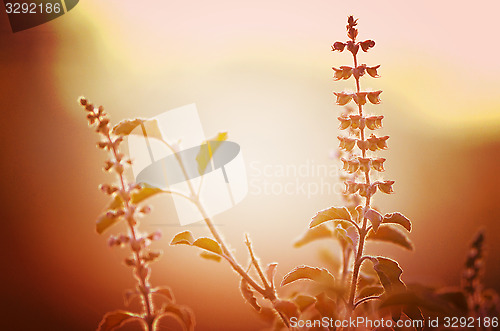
[260, 70]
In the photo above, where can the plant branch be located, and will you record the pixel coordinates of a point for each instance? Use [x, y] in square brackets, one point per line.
[375, 297]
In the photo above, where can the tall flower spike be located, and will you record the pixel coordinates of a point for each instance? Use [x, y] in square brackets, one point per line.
[362, 161]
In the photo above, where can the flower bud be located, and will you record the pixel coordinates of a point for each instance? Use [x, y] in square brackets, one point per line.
[359, 71]
[378, 164]
[344, 122]
[363, 189]
[130, 261]
[363, 144]
[145, 210]
[372, 71]
[353, 48]
[342, 98]
[386, 186]
[155, 236]
[355, 119]
[364, 164]
[374, 122]
[352, 33]
[374, 97]
[360, 98]
[351, 187]
[338, 46]
[346, 143]
[366, 45]
[82, 100]
[382, 142]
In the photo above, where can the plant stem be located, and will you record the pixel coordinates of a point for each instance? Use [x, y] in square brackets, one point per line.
[144, 288]
[267, 291]
[363, 230]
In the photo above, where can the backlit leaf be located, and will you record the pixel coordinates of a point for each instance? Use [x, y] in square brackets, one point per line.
[116, 203]
[207, 151]
[428, 301]
[125, 127]
[208, 244]
[271, 272]
[369, 291]
[397, 218]
[130, 295]
[389, 273]
[287, 308]
[136, 197]
[325, 305]
[143, 194]
[104, 222]
[115, 319]
[165, 292]
[375, 218]
[320, 275]
[330, 214]
[414, 313]
[319, 232]
[304, 301]
[128, 127]
[248, 294]
[455, 297]
[210, 256]
[183, 314]
[391, 234]
[185, 237]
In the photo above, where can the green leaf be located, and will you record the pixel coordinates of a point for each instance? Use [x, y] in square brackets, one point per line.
[391, 234]
[126, 126]
[210, 256]
[115, 319]
[181, 313]
[389, 273]
[208, 244]
[104, 222]
[375, 218]
[165, 292]
[319, 232]
[185, 238]
[207, 151]
[320, 275]
[330, 214]
[397, 218]
[248, 294]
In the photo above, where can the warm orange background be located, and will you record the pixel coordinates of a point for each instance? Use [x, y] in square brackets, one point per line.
[260, 70]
